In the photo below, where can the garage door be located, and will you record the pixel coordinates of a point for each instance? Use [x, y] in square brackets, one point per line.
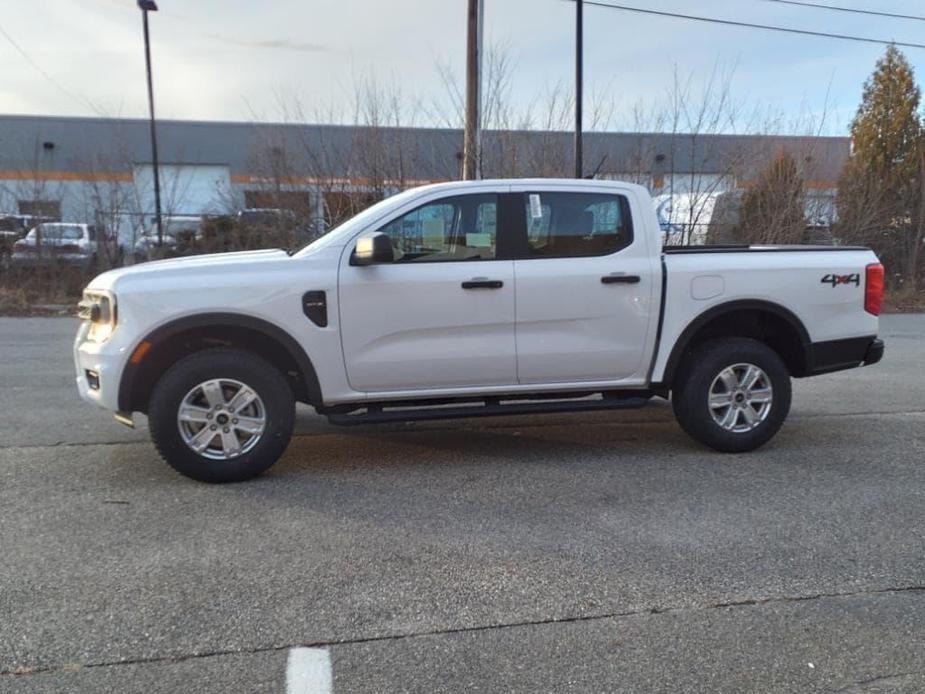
[186, 189]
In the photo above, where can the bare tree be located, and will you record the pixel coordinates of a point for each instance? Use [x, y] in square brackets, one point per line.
[109, 200]
[35, 192]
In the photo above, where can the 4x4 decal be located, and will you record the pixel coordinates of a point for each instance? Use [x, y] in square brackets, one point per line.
[835, 280]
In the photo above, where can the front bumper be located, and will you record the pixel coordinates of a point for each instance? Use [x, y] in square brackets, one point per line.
[104, 362]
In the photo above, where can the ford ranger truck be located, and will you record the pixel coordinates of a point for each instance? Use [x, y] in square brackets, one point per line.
[469, 299]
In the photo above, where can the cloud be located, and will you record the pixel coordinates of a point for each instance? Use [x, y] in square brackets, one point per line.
[210, 56]
[271, 44]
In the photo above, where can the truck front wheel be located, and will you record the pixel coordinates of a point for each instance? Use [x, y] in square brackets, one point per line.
[732, 394]
[221, 415]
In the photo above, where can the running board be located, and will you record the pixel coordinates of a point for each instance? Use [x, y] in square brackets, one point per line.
[396, 412]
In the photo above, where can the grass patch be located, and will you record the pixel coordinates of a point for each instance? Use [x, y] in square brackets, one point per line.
[14, 302]
[40, 292]
[906, 300]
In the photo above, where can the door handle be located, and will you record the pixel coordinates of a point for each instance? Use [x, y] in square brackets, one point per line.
[621, 279]
[480, 283]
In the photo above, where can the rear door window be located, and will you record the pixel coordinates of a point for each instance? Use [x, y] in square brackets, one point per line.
[565, 225]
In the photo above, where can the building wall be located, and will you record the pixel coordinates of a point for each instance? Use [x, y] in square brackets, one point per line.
[98, 170]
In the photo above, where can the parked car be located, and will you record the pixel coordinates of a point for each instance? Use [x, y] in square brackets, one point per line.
[59, 242]
[471, 299]
[266, 217]
[179, 236]
[13, 227]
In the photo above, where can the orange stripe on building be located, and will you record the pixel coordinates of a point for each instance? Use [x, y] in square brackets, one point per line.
[249, 179]
[239, 179]
[87, 176]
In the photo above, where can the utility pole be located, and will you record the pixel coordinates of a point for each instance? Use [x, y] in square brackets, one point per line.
[472, 138]
[579, 78]
[150, 6]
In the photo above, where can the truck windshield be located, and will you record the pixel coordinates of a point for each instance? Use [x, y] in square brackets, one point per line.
[366, 218]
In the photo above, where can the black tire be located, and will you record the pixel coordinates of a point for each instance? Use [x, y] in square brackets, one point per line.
[691, 393]
[223, 363]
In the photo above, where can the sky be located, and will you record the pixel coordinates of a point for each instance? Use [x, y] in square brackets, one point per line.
[276, 60]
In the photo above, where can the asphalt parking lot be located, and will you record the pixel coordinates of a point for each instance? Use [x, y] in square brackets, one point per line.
[565, 553]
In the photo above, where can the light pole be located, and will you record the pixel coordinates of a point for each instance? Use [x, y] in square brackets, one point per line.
[579, 79]
[472, 134]
[150, 6]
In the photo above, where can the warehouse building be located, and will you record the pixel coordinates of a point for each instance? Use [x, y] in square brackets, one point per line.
[99, 170]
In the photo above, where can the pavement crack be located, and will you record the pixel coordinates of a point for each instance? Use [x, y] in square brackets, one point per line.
[816, 596]
[860, 684]
[329, 643]
[77, 667]
[654, 610]
[406, 428]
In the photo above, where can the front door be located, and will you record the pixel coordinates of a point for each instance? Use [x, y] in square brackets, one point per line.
[584, 289]
[442, 314]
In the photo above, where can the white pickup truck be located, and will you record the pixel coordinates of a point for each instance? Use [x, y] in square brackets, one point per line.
[471, 299]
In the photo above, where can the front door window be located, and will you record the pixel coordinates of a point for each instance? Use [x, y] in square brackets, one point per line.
[458, 228]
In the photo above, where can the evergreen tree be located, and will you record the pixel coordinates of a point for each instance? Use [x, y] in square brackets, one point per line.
[880, 190]
[886, 132]
[774, 209]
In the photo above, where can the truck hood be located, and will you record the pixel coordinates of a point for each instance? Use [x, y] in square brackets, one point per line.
[201, 266]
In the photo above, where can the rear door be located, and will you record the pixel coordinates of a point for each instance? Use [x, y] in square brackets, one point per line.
[585, 288]
[441, 316]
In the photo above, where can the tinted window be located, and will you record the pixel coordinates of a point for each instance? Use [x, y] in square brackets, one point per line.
[561, 225]
[464, 227]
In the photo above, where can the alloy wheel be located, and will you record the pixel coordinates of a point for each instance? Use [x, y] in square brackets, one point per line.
[221, 419]
[740, 398]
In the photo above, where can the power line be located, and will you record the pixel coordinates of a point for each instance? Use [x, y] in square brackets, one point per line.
[852, 10]
[38, 68]
[749, 25]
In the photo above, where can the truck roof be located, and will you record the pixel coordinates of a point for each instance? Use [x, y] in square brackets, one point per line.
[577, 183]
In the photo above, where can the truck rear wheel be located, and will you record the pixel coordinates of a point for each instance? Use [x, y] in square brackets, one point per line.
[732, 394]
[221, 415]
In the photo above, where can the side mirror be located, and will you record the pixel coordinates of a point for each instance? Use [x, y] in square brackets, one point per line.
[373, 249]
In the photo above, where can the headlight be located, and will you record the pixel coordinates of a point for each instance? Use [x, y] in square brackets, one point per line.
[98, 308]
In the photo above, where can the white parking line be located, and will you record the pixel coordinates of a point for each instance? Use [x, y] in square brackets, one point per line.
[308, 671]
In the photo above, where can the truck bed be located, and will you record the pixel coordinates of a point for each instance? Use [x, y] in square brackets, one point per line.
[820, 288]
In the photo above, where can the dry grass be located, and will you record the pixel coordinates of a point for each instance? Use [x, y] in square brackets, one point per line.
[904, 301]
[40, 292]
[14, 302]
